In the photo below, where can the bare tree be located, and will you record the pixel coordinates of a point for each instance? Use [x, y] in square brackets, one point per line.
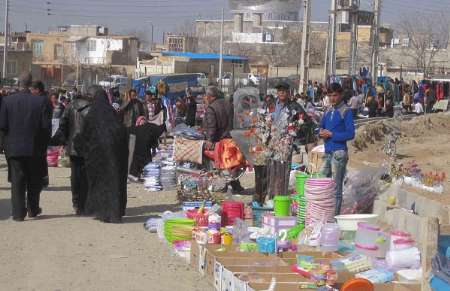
[428, 35]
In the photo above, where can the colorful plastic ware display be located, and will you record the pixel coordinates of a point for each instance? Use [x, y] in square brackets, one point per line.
[282, 205]
[320, 194]
[300, 180]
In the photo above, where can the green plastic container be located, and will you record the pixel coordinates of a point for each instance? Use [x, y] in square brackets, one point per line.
[300, 180]
[282, 205]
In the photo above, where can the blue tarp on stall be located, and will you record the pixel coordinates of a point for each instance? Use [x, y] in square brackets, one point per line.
[177, 84]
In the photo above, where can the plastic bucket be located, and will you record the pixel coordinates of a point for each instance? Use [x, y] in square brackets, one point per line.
[300, 179]
[282, 205]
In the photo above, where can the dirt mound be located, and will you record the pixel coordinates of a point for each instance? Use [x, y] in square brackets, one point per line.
[373, 135]
[369, 134]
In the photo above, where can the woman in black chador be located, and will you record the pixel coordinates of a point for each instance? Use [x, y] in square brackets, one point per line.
[105, 144]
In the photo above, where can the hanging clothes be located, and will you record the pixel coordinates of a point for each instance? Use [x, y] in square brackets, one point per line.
[439, 89]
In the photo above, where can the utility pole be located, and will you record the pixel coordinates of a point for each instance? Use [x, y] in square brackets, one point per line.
[332, 43]
[5, 48]
[152, 43]
[221, 49]
[354, 39]
[327, 54]
[304, 62]
[376, 39]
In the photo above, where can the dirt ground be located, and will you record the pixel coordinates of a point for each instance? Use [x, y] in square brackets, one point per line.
[60, 251]
[425, 139]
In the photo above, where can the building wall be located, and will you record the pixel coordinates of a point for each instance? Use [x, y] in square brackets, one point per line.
[99, 56]
[285, 48]
[128, 55]
[46, 54]
[315, 74]
[180, 43]
[271, 9]
[177, 65]
[18, 62]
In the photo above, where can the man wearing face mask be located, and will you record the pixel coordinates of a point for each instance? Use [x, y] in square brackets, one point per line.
[337, 127]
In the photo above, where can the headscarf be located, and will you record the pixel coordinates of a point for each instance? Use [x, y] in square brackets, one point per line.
[104, 116]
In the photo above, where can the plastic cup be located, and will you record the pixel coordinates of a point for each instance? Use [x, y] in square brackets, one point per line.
[282, 205]
[300, 179]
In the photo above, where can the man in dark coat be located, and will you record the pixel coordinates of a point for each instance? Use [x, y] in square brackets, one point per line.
[218, 117]
[38, 89]
[131, 109]
[69, 128]
[191, 108]
[103, 142]
[218, 123]
[25, 120]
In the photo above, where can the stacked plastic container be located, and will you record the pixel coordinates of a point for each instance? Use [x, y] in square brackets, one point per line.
[230, 211]
[300, 180]
[329, 239]
[321, 200]
[371, 241]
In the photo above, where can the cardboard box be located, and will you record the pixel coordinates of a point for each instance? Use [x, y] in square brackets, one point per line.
[278, 287]
[217, 251]
[241, 275]
[315, 254]
[398, 287]
[198, 255]
[292, 286]
[223, 276]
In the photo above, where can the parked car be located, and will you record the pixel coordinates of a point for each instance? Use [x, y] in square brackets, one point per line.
[226, 79]
[202, 79]
[114, 81]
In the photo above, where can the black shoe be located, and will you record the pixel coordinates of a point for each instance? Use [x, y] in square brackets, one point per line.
[238, 189]
[33, 214]
[78, 211]
[45, 182]
[18, 219]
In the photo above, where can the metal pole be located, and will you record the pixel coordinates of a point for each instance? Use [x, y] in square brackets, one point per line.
[327, 54]
[5, 48]
[354, 41]
[221, 49]
[376, 40]
[332, 62]
[151, 45]
[305, 47]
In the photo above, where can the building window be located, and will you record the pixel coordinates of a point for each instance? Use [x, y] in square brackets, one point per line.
[405, 42]
[38, 48]
[92, 45]
[58, 51]
[11, 68]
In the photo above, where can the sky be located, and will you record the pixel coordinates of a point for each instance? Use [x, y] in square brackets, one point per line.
[130, 16]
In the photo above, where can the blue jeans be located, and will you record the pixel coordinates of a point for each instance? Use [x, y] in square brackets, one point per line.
[335, 166]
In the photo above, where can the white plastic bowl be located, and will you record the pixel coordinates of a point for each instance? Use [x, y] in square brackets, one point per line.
[349, 222]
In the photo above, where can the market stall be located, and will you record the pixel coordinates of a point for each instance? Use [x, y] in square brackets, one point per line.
[299, 244]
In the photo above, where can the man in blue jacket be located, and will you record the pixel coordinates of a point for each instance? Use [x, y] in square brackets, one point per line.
[337, 127]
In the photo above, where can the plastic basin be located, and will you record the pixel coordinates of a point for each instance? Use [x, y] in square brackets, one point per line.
[349, 222]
